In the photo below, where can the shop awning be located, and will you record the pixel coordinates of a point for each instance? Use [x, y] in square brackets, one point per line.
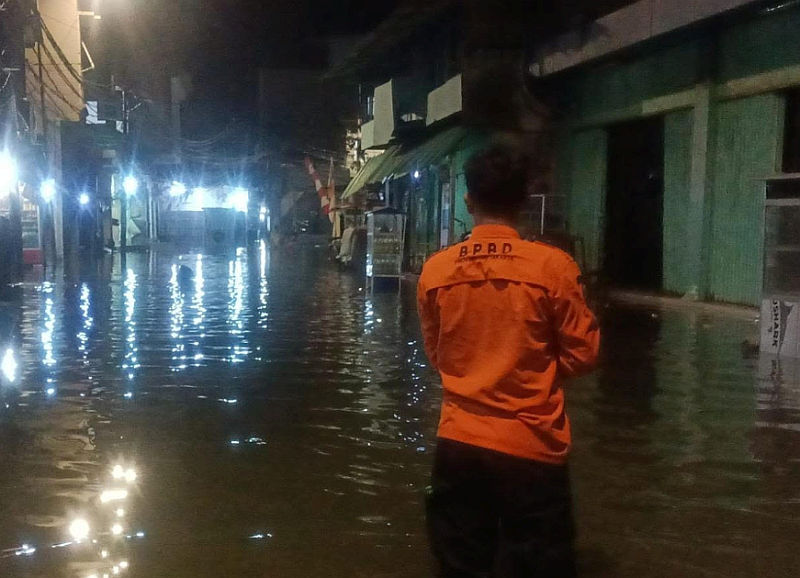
[432, 150]
[400, 160]
[375, 170]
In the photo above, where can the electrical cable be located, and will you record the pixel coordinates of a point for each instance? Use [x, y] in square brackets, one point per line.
[52, 87]
[59, 51]
[52, 90]
[67, 64]
[67, 80]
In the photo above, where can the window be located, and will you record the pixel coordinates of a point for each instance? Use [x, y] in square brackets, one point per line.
[791, 137]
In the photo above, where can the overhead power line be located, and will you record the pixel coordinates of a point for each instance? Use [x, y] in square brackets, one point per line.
[53, 91]
[60, 69]
[59, 51]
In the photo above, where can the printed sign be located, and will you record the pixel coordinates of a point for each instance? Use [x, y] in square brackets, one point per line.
[780, 328]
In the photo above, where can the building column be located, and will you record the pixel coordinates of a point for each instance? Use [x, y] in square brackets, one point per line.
[698, 226]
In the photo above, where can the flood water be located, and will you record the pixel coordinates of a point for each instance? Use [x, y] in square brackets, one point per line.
[280, 422]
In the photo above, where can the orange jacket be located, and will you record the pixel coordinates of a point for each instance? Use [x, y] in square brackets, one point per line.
[504, 322]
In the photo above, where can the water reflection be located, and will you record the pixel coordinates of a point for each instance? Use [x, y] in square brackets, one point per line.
[283, 422]
[83, 336]
[48, 325]
[130, 363]
[263, 284]
[178, 356]
[239, 349]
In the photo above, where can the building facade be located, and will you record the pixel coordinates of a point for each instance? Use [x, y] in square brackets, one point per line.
[438, 80]
[673, 115]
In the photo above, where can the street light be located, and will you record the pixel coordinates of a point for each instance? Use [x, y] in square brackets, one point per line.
[240, 199]
[47, 190]
[130, 185]
[83, 199]
[177, 189]
[8, 173]
[8, 366]
[199, 197]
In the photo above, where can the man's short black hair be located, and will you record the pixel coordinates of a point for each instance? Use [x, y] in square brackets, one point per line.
[497, 179]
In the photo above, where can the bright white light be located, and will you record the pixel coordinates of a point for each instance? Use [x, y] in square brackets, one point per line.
[51, 391]
[8, 172]
[130, 185]
[104, 554]
[177, 189]
[48, 190]
[116, 529]
[198, 198]
[9, 366]
[123, 564]
[115, 570]
[416, 175]
[239, 199]
[120, 513]
[118, 472]
[130, 475]
[79, 529]
[83, 199]
[113, 496]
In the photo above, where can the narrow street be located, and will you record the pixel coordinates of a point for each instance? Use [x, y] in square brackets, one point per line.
[280, 423]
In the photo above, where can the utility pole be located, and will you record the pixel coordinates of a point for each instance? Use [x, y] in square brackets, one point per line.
[41, 74]
[123, 215]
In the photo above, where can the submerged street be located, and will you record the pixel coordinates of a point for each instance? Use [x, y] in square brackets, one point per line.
[273, 420]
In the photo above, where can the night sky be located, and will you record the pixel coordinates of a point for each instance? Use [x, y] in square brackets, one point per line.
[222, 42]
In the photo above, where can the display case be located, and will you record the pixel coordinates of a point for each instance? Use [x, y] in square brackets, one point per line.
[385, 242]
[780, 308]
[30, 225]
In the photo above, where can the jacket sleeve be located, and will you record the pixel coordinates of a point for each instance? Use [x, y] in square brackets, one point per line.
[577, 331]
[429, 321]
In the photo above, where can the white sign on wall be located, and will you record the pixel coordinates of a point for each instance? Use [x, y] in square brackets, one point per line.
[780, 328]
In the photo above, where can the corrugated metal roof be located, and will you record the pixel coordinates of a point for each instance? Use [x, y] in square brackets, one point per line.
[398, 160]
[371, 172]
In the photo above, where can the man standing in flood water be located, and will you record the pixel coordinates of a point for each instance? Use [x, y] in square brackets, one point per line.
[505, 323]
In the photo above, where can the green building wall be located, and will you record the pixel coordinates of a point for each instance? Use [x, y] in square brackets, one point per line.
[723, 104]
[678, 274]
[746, 144]
[425, 216]
[472, 144]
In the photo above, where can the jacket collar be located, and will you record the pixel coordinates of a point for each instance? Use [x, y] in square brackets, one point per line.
[494, 232]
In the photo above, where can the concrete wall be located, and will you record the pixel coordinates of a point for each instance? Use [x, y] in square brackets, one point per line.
[722, 100]
[639, 22]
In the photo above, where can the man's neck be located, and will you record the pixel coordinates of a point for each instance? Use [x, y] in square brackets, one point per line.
[491, 220]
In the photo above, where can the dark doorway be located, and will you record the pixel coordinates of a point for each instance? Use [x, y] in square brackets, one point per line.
[635, 205]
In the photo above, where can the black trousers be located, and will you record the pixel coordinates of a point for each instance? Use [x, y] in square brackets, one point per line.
[495, 515]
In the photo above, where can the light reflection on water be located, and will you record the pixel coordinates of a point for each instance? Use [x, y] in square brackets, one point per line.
[131, 363]
[282, 425]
